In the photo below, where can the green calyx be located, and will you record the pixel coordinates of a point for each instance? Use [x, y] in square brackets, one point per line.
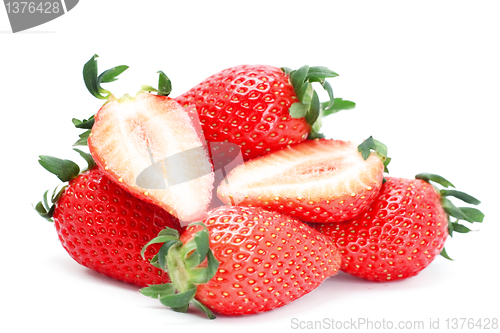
[65, 170]
[183, 262]
[164, 85]
[309, 106]
[93, 80]
[467, 214]
[380, 149]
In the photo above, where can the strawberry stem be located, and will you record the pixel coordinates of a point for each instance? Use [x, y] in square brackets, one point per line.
[309, 106]
[182, 262]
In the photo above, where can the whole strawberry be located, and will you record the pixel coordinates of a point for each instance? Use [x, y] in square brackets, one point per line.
[403, 230]
[102, 226]
[256, 261]
[262, 108]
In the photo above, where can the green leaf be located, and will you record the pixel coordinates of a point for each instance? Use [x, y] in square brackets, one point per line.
[213, 265]
[454, 211]
[45, 201]
[202, 244]
[65, 170]
[319, 73]
[305, 94]
[450, 227]
[90, 77]
[474, 214]
[83, 139]
[365, 148]
[164, 85]
[182, 309]
[180, 299]
[386, 163]
[154, 261]
[85, 123]
[314, 111]
[298, 110]
[435, 178]
[287, 70]
[158, 291]
[157, 240]
[329, 90]
[298, 77]
[460, 228]
[444, 254]
[57, 194]
[315, 135]
[380, 149]
[43, 212]
[460, 195]
[198, 275]
[317, 124]
[88, 158]
[164, 249]
[203, 308]
[339, 104]
[111, 74]
[93, 80]
[169, 232]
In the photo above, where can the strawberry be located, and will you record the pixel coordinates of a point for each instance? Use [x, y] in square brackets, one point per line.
[403, 230]
[102, 226]
[150, 146]
[242, 260]
[316, 181]
[262, 108]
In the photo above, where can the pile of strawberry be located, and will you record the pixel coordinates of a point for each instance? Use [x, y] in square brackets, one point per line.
[230, 199]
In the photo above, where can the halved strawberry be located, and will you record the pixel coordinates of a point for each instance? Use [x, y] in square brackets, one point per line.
[314, 181]
[151, 146]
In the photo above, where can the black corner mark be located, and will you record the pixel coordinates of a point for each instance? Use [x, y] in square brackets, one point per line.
[25, 15]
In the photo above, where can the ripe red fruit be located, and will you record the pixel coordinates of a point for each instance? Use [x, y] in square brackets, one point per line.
[261, 108]
[149, 145]
[256, 261]
[314, 181]
[402, 231]
[103, 227]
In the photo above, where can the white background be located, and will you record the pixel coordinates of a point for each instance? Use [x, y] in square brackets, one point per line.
[425, 76]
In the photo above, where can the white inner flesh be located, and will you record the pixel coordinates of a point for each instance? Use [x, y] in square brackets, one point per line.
[150, 135]
[315, 171]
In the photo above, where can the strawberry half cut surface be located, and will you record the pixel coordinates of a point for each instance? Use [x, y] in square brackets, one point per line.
[315, 181]
[150, 146]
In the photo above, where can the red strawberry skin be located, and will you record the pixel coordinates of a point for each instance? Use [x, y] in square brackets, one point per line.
[248, 105]
[266, 260]
[400, 234]
[104, 228]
